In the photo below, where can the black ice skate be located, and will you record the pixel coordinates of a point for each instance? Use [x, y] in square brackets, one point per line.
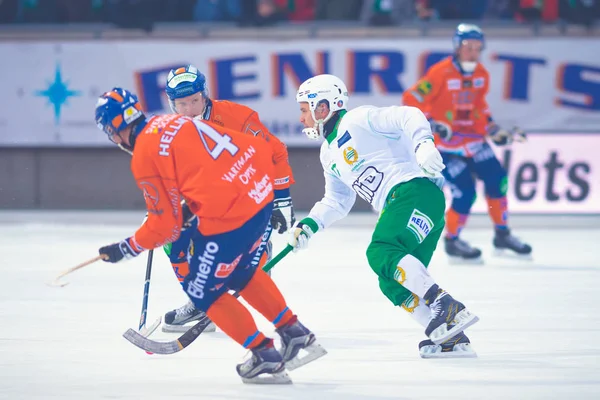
[461, 251]
[266, 366]
[507, 244]
[458, 346]
[448, 316]
[296, 337]
[174, 321]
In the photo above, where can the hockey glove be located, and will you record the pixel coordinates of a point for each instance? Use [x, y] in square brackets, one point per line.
[282, 217]
[301, 232]
[502, 137]
[187, 216]
[441, 128]
[116, 252]
[429, 158]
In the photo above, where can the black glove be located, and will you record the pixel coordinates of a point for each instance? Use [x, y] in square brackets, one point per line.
[502, 137]
[282, 217]
[187, 215]
[115, 252]
[443, 130]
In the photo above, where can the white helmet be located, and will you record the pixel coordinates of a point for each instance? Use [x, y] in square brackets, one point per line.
[317, 89]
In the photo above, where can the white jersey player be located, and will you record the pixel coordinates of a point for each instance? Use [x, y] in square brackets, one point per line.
[387, 157]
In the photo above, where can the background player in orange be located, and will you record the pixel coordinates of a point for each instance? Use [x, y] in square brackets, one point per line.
[224, 176]
[452, 95]
[188, 95]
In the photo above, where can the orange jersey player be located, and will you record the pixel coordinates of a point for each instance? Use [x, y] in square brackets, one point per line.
[188, 95]
[452, 95]
[225, 178]
[457, 105]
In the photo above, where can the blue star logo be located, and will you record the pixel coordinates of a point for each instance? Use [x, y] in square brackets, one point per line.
[57, 93]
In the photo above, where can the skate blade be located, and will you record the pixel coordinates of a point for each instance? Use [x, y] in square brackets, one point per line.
[511, 254]
[313, 352]
[184, 328]
[461, 350]
[463, 320]
[279, 378]
[453, 260]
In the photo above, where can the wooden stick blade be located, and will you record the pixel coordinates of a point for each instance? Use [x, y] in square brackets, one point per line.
[57, 283]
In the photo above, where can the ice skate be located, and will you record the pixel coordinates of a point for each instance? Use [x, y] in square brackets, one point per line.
[506, 244]
[294, 338]
[266, 366]
[458, 346]
[175, 321]
[460, 251]
[448, 316]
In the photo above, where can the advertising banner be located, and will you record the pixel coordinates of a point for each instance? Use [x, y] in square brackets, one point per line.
[50, 89]
[550, 173]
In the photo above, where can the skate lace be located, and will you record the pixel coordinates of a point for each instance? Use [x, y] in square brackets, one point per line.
[188, 308]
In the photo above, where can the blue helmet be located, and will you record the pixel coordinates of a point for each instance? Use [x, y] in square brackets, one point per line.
[116, 110]
[467, 32]
[183, 82]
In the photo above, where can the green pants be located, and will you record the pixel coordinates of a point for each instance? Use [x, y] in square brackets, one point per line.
[411, 222]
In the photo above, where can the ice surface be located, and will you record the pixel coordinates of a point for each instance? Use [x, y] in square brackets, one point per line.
[538, 337]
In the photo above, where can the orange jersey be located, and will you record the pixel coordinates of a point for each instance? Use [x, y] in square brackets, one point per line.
[241, 118]
[445, 94]
[224, 176]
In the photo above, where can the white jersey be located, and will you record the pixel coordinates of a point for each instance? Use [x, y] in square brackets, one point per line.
[372, 151]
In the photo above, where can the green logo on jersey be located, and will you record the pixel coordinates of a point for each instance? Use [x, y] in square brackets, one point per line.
[424, 87]
[335, 169]
[167, 248]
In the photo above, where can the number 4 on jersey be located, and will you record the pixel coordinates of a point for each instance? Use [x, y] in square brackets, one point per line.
[214, 142]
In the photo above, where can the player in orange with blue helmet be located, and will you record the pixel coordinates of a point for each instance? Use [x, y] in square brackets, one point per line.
[452, 95]
[188, 95]
[225, 178]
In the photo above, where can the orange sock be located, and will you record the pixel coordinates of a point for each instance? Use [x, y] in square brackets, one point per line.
[498, 210]
[454, 223]
[235, 320]
[262, 294]
[181, 270]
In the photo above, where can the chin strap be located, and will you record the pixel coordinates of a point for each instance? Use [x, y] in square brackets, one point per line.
[331, 124]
